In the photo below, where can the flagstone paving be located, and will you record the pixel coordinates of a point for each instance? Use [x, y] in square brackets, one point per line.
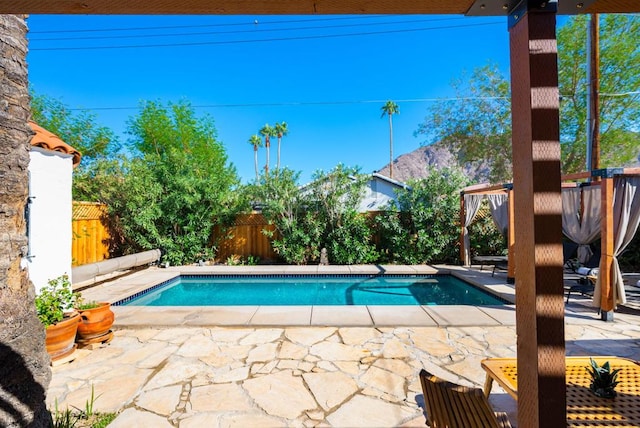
[296, 376]
[319, 366]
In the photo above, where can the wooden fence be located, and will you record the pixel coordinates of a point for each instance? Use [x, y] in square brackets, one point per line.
[90, 236]
[245, 238]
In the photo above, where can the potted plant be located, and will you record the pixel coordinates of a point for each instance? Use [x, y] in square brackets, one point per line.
[54, 304]
[603, 380]
[96, 319]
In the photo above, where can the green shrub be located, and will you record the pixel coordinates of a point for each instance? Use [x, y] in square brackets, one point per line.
[54, 300]
[423, 226]
[351, 243]
[484, 236]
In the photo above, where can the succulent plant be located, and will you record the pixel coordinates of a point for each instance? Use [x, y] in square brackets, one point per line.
[603, 380]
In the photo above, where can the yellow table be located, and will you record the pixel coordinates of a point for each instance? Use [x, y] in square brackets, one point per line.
[584, 408]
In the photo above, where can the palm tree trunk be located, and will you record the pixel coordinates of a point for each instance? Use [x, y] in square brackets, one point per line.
[24, 371]
[255, 160]
[267, 144]
[279, 140]
[390, 147]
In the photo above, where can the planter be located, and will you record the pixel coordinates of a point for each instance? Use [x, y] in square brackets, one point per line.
[95, 322]
[60, 339]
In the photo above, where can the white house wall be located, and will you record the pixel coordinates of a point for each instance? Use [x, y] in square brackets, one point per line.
[378, 194]
[50, 211]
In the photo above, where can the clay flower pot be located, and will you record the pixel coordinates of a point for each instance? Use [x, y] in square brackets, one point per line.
[60, 338]
[95, 322]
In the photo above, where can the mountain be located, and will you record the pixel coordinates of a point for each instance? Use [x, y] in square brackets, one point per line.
[419, 162]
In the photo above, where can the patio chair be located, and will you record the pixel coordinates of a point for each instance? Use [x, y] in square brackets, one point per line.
[449, 405]
[585, 283]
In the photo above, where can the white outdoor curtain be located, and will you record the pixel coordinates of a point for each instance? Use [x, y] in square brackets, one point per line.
[581, 229]
[471, 207]
[626, 217]
[498, 203]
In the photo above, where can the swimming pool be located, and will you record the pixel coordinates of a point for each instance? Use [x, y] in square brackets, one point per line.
[287, 290]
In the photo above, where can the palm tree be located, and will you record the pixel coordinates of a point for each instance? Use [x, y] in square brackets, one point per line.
[267, 131]
[25, 363]
[390, 108]
[256, 142]
[281, 131]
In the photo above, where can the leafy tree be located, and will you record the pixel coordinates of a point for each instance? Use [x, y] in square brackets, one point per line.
[423, 226]
[281, 131]
[323, 214]
[267, 131]
[479, 127]
[178, 183]
[619, 115]
[256, 142]
[298, 231]
[97, 144]
[76, 128]
[389, 109]
[335, 196]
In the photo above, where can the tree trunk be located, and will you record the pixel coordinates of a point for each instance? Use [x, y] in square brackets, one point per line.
[267, 144]
[279, 141]
[24, 363]
[390, 147]
[255, 161]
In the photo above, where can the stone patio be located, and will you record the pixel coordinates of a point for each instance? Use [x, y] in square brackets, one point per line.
[292, 375]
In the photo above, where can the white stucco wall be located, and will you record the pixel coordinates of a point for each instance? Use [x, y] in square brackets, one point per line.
[50, 211]
[377, 195]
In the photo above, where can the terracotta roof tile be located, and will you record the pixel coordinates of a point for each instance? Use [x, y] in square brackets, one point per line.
[49, 141]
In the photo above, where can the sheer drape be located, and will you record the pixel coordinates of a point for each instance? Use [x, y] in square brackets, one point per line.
[500, 211]
[581, 229]
[471, 207]
[626, 217]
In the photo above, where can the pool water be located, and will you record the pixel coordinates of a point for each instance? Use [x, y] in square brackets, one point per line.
[315, 290]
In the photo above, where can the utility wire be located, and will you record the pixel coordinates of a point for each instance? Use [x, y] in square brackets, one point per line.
[278, 39]
[320, 27]
[316, 103]
[289, 21]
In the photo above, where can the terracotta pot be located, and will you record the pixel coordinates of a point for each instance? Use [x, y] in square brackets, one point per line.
[60, 339]
[95, 322]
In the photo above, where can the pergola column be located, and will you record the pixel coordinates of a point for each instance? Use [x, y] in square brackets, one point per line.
[607, 303]
[511, 240]
[537, 213]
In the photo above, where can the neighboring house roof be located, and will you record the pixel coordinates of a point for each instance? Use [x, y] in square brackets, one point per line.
[50, 141]
[391, 180]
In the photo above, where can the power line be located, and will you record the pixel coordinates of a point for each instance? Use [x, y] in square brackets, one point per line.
[278, 39]
[253, 22]
[339, 102]
[307, 103]
[241, 31]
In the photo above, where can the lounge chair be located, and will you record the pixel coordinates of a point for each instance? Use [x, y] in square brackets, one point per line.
[449, 405]
[585, 282]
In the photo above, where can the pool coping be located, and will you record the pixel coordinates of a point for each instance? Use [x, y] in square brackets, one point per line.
[353, 316]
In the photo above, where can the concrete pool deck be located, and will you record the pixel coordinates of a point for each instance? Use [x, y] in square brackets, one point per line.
[166, 370]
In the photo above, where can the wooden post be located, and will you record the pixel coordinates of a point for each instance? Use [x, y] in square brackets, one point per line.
[606, 248]
[538, 220]
[594, 64]
[463, 259]
[511, 239]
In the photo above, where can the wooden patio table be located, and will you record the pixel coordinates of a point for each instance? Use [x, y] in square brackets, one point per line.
[584, 408]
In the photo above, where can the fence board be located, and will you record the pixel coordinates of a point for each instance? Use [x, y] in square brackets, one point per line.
[245, 238]
[90, 236]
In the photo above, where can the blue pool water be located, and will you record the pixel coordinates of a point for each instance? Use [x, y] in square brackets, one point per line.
[315, 290]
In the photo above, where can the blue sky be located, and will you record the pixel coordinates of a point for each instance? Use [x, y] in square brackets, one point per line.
[326, 76]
